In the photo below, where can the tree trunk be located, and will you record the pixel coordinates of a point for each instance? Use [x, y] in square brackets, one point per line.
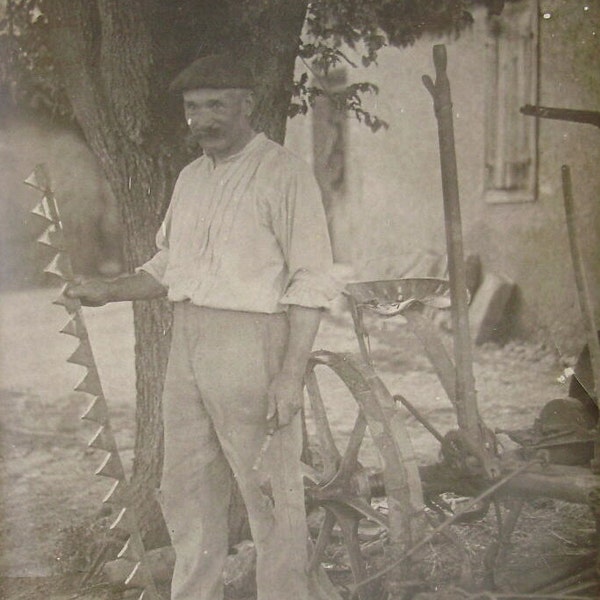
[107, 80]
[271, 35]
[116, 59]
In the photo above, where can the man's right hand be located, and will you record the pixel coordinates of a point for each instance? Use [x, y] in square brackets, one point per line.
[98, 292]
[90, 292]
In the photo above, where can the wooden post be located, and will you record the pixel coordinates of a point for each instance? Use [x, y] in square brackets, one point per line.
[584, 297]
[466, 399]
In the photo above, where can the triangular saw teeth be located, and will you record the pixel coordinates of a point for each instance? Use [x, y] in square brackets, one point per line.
[53, 237]
[39, 178]
[117, 494]
[49, 204]
[41, 210]
[103, 439]
[130, 552]
[136, 578]
[75, 327]
[97, 411]
[111, 467]
[60, 266]
[83, 355]
[140, 577]
[90, 384]
[32, 181]
[71, 305]
[125, 521]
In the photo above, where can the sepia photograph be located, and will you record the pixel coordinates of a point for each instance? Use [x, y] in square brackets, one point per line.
[299, 300]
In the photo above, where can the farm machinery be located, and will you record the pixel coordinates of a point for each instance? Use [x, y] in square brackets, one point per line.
[558, 458]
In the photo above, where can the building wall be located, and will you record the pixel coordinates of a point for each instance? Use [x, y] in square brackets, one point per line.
[392, 206]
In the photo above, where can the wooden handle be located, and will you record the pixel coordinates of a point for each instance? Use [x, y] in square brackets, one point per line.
[440, 59]
[581, 284]
[440, 90]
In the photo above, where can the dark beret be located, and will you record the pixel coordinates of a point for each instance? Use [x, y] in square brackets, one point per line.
[216, 71]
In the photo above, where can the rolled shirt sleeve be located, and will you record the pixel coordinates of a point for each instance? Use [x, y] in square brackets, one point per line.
[300, 226]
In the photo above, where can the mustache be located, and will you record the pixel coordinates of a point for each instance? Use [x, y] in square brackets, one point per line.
[205, 132]
[194, 140]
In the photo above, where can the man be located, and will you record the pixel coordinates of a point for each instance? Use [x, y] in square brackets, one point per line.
[244, 255]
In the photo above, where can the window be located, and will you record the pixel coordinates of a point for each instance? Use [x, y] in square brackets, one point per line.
[511, 137]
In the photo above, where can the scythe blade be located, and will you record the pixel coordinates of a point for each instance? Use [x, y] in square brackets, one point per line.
[83, 355]
[60, 266]
[103, 439]
[97, 411]
[75, 327]
[111, 467]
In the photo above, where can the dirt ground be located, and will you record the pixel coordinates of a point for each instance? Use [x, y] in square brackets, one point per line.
[49, 492]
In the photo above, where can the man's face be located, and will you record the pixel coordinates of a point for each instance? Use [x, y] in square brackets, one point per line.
[219, 119]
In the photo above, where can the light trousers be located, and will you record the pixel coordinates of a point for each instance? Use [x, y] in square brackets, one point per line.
[214, 410]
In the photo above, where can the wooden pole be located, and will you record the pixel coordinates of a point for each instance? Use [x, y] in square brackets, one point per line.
[466, 399]
[583, 295]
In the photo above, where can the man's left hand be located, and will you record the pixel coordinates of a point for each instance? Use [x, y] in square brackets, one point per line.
[285, 398]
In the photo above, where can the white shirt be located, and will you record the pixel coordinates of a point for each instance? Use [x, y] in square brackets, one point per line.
[248, 234]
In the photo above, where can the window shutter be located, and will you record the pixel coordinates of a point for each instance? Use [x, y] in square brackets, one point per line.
[510, 145]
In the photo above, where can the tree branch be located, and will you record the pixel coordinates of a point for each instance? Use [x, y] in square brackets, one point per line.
[74, 47]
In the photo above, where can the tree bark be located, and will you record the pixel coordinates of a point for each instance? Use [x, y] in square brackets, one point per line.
[271, 34]
[116, 59]
[107, 80]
